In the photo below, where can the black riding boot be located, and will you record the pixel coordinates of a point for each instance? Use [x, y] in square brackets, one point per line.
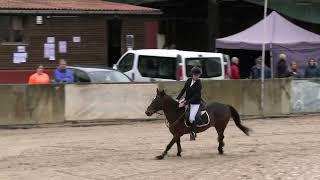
[193, 133]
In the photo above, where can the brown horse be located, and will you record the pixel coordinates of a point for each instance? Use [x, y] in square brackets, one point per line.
[219, 114]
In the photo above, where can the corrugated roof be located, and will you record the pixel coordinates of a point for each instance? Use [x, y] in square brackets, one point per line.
[73, 5]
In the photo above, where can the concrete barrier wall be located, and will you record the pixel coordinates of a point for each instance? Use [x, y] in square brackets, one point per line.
[108, 101]
[305, 96]
[39, 104]
[244, 95]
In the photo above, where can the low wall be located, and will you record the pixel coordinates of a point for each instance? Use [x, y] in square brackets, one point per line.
[244, 95]
[108, 101]
[38, 104]
[305, 96]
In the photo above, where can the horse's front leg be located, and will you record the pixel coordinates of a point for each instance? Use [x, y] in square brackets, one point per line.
[174, 140]
[179, 147]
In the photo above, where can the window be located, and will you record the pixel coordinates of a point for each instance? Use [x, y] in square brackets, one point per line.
[126, 63]
[108, 76]
[211, 67]
[11, 29]
[80, 76]
[158, 67]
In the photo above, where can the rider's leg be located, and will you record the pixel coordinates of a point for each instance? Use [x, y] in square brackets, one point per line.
[194, 108]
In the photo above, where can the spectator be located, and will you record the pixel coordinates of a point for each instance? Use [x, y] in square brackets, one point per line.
[294, 71]
[282, 67]
[62, 74]
[39, 77]
[256, 70]
[235, 74]
[312, 69]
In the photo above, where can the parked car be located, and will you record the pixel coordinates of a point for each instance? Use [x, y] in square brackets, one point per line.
[98, 75]
[170, 65]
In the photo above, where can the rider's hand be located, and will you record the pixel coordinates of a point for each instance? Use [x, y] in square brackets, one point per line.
[181, 104]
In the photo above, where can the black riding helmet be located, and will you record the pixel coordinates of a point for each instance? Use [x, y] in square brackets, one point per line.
[196, 71]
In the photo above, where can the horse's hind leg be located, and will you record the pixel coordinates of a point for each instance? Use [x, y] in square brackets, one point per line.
[179, 147]
[221, 143]
[220, 130]
[167, 149]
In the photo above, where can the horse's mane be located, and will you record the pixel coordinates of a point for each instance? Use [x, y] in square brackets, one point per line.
[171, 100]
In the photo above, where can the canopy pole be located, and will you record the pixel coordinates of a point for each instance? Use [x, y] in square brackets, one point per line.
[263, 57]
[271, 62]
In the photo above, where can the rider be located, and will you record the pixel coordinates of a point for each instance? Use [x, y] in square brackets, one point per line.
[193, 99]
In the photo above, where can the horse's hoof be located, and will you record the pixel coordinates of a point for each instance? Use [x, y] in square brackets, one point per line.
[221, 152]
[159, 157]
[179, 155]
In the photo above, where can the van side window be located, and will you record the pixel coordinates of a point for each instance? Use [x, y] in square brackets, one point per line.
[126, 64]
[158, 67]
[211, 67]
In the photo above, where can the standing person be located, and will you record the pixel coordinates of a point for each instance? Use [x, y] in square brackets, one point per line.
[62, 74]
[193, 99]
[294, 71]
[282, 67]
[235, 73]
[256, 70]
[312, 69]
[39, 77]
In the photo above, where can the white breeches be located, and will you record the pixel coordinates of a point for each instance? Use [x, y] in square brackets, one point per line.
[194, 108]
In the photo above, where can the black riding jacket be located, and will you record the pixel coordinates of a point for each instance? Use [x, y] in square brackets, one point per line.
[193, 93]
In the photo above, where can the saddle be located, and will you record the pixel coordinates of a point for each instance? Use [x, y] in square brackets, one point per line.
[205, 119]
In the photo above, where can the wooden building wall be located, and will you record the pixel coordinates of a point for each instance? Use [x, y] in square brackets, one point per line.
[92, 50]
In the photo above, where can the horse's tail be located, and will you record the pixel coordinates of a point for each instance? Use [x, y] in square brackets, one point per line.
[236, 118]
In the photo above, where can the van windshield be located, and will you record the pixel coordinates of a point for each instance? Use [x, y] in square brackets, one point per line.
[158, 67]
[211, 66]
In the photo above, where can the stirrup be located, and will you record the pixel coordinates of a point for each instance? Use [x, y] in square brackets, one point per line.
[193, 136]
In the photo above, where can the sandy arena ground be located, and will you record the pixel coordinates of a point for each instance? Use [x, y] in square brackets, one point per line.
[278, 149]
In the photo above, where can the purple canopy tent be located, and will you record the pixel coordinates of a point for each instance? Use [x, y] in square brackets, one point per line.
[282, 36]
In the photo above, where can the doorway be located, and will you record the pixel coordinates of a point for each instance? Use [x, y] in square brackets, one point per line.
[114, 41]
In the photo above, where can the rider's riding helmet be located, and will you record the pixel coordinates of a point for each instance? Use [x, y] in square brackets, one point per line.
[196, 71]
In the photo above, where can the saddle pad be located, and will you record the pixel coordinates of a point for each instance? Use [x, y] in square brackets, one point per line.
[205, 120]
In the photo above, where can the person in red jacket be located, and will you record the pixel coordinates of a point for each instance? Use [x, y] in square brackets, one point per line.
[235, 73]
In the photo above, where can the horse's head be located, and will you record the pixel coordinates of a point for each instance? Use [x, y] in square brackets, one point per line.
[157, 103]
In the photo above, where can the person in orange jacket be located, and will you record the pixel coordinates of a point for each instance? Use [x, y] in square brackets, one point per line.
[39, 77]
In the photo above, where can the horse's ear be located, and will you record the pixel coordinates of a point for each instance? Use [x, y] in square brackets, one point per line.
[162, 93]
[158, 92]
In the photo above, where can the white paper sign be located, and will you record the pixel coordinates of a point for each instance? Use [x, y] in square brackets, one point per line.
[50, 40]
[76, 39]
[39, 19]
[49, 50]
[20, 58]
[62, 46]
[21, 49]
[52, 58]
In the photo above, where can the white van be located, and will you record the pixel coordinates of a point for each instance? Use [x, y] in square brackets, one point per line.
[171, 65]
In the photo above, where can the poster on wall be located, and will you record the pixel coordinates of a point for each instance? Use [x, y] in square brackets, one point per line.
[21, 49]
[76, 39]
[50, 40]
[62, 46]
[20, 58]
[49, 51]
[52, 58]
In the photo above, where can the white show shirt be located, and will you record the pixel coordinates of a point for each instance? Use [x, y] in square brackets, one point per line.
[192, 82]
